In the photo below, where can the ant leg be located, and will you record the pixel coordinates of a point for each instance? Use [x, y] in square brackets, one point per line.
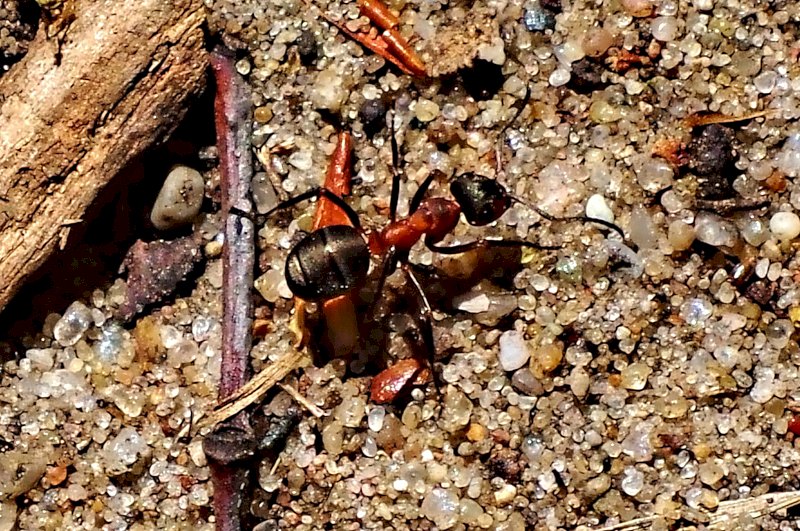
[317, 193]
[419, 195]
[426, 324]
[395, 172]
[464, 247]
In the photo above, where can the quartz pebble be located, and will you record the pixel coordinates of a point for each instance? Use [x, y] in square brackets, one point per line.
[441, 506]
[514, 350]
[785, 225]
[664, 28]
[179, 200]
[75, 321]
[596, 207]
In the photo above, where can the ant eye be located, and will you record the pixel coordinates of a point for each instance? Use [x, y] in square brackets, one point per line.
[482, 200]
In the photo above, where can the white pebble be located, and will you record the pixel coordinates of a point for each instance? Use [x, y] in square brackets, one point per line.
[179, 200]
[559, 77]
[785, 225]
[493, 52]
[514, 352]
[441, 507]
[664, 29]
[596, 207]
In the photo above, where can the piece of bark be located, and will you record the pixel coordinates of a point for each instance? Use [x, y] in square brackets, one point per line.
[126, 72]
[155, 270]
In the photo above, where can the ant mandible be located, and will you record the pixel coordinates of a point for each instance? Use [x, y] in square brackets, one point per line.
[334, 260]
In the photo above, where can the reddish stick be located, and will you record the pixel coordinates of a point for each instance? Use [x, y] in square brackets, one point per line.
[232, 116]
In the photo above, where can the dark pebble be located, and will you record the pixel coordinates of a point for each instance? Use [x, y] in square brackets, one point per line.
[552, 5]
[712, 158]
[504, 463]
[483, 79]
[539, 19]
[307, 47]
[373, 115]
[587, 76]
[760, 292]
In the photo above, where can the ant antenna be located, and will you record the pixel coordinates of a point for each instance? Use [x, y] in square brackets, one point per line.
[586, 219]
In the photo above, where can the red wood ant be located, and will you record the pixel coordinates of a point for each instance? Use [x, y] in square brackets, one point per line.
[334, 260]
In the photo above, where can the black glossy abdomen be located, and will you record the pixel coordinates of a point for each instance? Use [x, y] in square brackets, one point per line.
[327, 263]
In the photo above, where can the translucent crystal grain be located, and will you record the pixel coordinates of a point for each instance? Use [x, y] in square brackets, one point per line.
[75, 321]
[441, 506]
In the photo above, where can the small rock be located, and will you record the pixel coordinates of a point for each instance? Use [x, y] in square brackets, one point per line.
[597, 41]
[426, 110]
[587, 76]
[785, 225]
[456, 411]
[712, 158]
[75, 321]
[664, 29]
[680, 235]
[596, 207]
[514, 351]
[505, 463]
[307, 47]
[539, 19]
[710, 473]
[547, 358]
[328, 92]
[154, 271]
[633, 481]
[373, 115]
[635, 375]
[505, 495]
[441, 506]
[715, 231]
[179, 200]
[302, 160]
[476, 432]
[263, 192]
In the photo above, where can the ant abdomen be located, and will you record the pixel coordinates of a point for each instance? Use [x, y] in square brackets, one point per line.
[327, 263]
[482, 200]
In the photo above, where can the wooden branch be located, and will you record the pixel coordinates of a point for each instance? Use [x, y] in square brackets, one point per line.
[127, 69]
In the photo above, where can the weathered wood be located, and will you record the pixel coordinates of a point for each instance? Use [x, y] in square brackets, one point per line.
[126, 72]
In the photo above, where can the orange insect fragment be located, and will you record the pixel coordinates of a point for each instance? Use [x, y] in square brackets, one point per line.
[388, 384]
[390, 44]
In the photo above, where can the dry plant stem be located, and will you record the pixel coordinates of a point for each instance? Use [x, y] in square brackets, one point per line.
[255, 389]
[232, 112]
[128, 69]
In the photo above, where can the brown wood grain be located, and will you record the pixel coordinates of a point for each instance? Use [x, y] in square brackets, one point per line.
[128, 68]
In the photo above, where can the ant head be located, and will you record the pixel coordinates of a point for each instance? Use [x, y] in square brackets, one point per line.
[482, 200]
[327, 263]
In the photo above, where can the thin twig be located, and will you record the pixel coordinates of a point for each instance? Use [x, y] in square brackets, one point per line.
[232, 113]
[255, 389]
[723, 517]
[303, 401]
